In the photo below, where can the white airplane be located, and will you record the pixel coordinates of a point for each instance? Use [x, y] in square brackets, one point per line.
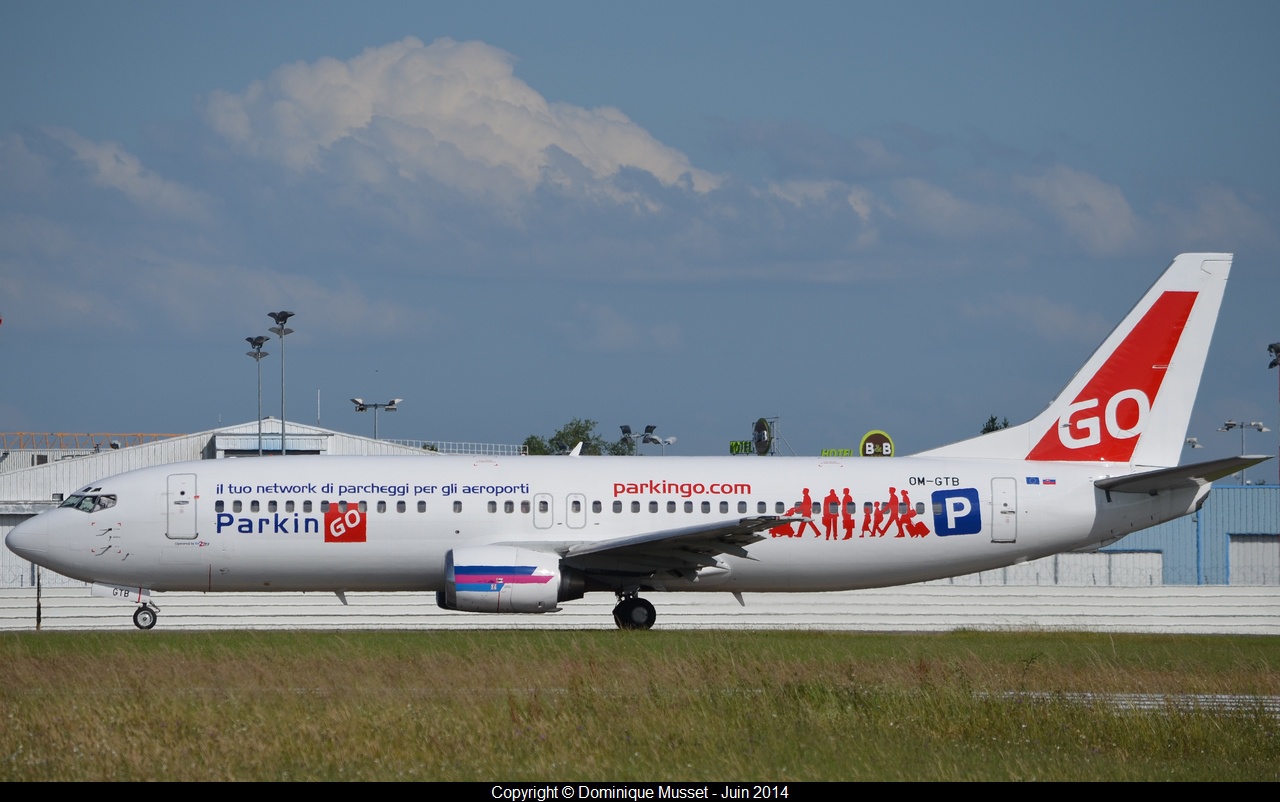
[523, 534]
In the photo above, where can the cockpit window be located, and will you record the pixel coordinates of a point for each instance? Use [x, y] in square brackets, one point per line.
[89, 503]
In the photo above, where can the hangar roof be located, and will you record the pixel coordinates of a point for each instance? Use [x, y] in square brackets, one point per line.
[36, 487]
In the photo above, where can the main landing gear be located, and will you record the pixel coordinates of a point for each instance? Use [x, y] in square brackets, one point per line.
[145, 616]
[633, 612]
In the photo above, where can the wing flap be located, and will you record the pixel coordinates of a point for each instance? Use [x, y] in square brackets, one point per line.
[679, 552]
[712, 538]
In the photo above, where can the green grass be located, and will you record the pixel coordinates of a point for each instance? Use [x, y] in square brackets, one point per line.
[779, 706]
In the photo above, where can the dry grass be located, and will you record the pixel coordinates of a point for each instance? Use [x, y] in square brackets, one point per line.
[625, 706]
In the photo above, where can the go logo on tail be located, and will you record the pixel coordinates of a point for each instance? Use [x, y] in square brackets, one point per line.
[1109, 413]
[1091, 425]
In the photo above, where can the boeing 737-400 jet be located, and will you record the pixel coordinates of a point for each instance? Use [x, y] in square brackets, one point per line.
[524, 534]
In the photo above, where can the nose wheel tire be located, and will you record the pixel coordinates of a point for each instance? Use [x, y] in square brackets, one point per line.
[634, 613]
[144, 618]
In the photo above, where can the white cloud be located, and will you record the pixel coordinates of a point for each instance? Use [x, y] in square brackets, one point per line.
[1093, 211]
[939, 211]
[1053, 320]
[803, 192]
[450, 111]
[198, 296]
[111, 166]
[1219, 220]
[599, 328]
[20, 169]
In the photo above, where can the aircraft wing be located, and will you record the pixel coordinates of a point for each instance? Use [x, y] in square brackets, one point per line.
[681, 552]
[1200, 473]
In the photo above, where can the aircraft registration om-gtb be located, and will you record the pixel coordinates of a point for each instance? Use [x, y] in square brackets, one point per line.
[523, 534]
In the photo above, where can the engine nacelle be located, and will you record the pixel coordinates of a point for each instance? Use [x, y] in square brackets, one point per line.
[504, 579]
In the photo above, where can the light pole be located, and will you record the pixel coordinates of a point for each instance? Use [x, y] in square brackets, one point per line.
[1231, 424]
[363, 406]
[647, 437]
[281, 330]
[1274, 350]
[257, 354]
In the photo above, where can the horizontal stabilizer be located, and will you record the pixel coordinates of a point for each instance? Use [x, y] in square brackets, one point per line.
[1201, 473]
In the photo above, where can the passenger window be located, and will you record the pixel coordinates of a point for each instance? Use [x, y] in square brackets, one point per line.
[382, 506]
[237, 506]
[780, 507]
[706, 507]
[457, 506]
[306, 506]
[671, 506]
[762, 507]
[271, 506]
[653, 506]
[742, 506]
[596, 506]
[576, 505]
[688, 506]
[422, 506]
[342, 506]
[400, 506]
[617, 506]
[635, 506]
[508, 506]
[324, 505]
[724, 507]
[525, 507]
[493, 506]
[219, 506]
[253, 506]
[288, 506]
[543, 506]
[919, 508]
[363, 506]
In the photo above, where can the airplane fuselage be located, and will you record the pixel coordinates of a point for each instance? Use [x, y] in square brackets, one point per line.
[388, 523]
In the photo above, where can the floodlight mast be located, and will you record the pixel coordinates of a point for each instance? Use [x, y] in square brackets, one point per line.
[1242, 426]
[257, 353]
[365, 406]
[281, 330]
[1274, 350]
[648, 436]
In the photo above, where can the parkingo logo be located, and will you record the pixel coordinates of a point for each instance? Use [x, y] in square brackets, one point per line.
[344, 527]
[956, 512]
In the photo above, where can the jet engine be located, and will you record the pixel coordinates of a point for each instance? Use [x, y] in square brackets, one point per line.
[504, 579]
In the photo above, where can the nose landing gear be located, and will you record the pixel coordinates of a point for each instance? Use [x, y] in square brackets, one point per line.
[633, 612]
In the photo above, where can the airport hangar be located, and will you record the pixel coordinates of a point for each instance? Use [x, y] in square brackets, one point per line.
[1233, 540]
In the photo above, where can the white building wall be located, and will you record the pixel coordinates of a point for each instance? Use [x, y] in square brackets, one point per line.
[1255, 560]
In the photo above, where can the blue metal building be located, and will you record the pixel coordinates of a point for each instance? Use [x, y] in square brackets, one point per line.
[1234, 539]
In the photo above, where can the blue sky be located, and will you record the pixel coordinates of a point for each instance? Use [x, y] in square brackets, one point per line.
[903, 216]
